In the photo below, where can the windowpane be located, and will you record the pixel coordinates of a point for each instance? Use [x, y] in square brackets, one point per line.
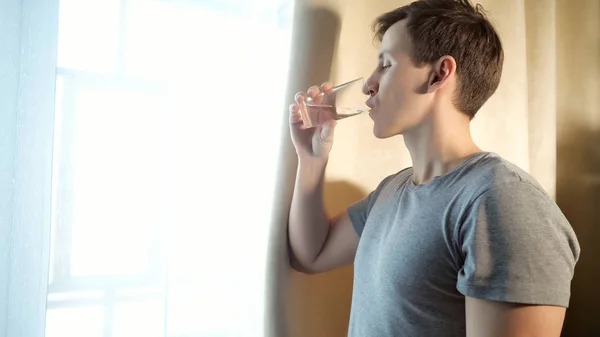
[75, 322]
[150, 35]
[115, 165]
[139, 168]
[88, 36]
[144, 318]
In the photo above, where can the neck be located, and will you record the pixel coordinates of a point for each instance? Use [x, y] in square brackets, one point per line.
[437, 146]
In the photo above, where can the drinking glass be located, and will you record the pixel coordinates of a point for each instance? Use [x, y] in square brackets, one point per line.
[342, 101]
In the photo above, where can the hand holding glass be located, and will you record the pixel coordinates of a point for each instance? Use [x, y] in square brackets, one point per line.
[343, 101]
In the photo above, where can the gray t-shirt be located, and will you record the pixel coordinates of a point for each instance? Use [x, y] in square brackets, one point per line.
[485, 230]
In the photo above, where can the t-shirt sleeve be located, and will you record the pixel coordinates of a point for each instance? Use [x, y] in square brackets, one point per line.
[517, 247]
[359, 211]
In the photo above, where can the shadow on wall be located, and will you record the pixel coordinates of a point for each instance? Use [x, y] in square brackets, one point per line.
[578, 195]
[578, 153]
[319, 305]
[315, 36]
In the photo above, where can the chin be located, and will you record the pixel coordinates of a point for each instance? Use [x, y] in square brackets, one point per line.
[383, 133]
[383, 129]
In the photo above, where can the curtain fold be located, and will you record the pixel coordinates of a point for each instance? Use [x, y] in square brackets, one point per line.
[314, 32]
[30, 84]
[578, 151]
[519, 122]
[540, 26]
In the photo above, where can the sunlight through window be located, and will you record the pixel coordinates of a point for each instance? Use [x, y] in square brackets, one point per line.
[164, 165]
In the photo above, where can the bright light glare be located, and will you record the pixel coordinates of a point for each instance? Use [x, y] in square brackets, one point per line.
[75, 322]
[191, 165]
[88, 34]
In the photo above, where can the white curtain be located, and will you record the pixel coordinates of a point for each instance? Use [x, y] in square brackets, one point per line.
[140, 144]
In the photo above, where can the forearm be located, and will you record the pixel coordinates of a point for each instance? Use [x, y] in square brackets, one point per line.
[308, 221]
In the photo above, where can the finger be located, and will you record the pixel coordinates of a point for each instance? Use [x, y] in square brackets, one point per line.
[313, 91]
[293, 108]
[300, 97]
[326, 86]
[295, 116]
[315, 94]
[327, 131]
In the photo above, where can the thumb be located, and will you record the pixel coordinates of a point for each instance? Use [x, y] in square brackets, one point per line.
[327, 131]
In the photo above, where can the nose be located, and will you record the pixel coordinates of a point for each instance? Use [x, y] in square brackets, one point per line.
[371, 86]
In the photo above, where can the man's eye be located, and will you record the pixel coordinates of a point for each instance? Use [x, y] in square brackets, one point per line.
[385, 66]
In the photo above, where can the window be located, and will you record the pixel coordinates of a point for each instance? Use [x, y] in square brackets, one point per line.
[168, 115]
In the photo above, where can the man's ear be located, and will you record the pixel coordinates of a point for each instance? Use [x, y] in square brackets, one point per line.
[442, 70]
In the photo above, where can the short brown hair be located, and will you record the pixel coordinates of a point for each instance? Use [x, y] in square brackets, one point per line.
[461, 30]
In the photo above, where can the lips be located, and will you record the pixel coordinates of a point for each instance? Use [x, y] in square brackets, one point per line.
[369, 102]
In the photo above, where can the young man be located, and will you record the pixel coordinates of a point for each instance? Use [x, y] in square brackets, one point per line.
[463, 243]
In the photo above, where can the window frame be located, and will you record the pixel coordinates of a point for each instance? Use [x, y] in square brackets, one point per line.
[105, 291]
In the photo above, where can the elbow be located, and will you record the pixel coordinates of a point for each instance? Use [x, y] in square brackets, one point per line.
[303, 268]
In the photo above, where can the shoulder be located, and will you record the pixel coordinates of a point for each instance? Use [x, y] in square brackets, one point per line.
[494, 174]
[501, 194]
[509, 200]
[501, 234]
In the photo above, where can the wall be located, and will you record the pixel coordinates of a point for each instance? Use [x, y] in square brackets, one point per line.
[318, 305]
[578, 153]
[519, 122]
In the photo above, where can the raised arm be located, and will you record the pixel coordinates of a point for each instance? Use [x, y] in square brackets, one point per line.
[317, 243]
